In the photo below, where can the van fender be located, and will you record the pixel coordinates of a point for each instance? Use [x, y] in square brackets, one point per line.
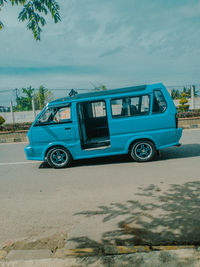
[45, 150]
[140, 137]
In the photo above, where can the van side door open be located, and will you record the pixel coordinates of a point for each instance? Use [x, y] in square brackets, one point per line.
[93, 124]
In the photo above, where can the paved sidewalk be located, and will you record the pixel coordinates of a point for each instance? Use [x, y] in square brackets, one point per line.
[157, 227]
[180, 257]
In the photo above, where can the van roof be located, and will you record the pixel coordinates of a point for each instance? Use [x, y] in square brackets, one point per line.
[101, 93]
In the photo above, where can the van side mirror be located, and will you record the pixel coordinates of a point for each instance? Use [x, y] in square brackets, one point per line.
[38, 122]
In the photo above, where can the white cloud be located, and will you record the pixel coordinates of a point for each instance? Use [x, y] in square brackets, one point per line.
[128, 41]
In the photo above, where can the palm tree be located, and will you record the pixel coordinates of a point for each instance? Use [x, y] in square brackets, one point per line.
[43, 97]
[175, 94]
[31, 12]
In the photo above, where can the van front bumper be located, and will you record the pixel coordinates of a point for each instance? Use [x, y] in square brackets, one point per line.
[33, 153]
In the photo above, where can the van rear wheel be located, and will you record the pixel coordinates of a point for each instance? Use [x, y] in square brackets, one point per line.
[58, 157]
[142, 151]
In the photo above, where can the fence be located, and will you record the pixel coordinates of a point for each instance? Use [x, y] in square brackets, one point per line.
[19, 117]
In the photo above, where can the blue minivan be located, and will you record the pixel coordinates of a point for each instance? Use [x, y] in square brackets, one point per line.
[138, 120]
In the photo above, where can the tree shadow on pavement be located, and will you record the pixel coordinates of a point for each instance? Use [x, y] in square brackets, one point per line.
[169, 217]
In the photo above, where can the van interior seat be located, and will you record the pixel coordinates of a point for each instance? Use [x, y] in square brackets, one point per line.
[133, 110]
[97, 127]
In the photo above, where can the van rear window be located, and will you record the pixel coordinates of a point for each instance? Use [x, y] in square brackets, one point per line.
[159, 102]
[130, 106]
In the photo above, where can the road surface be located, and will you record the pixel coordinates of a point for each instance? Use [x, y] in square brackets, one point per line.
[110, 200]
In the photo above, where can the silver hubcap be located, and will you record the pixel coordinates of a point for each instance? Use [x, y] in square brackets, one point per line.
[59, 157]
[143, 151]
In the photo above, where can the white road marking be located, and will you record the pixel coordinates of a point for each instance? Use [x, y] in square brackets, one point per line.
[13, 143]
[17, 163]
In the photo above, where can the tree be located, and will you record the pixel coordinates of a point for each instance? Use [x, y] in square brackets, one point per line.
[24, 103]
[32, 12]
[42, 97]
[175, 94]
[189, 92]
[183, 101]
[2, 120]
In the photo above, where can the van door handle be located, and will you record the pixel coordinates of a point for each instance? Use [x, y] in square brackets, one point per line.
[68, 128]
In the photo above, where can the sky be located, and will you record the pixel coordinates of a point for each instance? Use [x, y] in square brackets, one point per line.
[117, 43]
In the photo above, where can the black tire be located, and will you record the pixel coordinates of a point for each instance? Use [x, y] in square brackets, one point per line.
[143, 151]
[58, 157]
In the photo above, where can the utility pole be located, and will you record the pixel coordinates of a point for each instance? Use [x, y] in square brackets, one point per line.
[16, 93]
[33, 108]
[193, 97]
[12, 113]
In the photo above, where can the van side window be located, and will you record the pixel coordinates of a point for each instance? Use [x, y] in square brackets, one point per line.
[130, 106]
[55, 115]
[98, 109]
[63, 114]
[159, 102]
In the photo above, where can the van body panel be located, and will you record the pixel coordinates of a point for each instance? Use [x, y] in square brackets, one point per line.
[43, 137]
[39, 152]
[122, 131]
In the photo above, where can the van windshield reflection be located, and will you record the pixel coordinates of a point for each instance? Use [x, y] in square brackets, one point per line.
[55, 115]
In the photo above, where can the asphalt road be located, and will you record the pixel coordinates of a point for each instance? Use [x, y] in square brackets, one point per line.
[116, 198]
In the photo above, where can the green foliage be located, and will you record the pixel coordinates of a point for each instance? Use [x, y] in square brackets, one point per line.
[100, 87]
[24, 102]
[183, 102]
[33, 11]
[23, 126]
[2, 120]
[189, 114]
[42, 97]
[1, 25]
[183, 108]
[175, 94]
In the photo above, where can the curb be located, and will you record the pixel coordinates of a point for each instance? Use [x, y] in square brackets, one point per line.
[85, 252]
[115, 250]
[192, 126]
[13, 140]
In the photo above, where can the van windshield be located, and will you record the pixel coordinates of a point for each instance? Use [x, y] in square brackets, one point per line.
[53, 115]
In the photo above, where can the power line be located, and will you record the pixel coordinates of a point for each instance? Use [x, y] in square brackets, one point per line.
[52, 89]
[4, 91]
[91, 89]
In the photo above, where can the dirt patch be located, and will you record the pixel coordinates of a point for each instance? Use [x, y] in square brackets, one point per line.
[54, 242]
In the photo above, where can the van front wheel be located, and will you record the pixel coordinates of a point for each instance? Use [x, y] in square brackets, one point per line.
[143, 151]
[58, 157]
